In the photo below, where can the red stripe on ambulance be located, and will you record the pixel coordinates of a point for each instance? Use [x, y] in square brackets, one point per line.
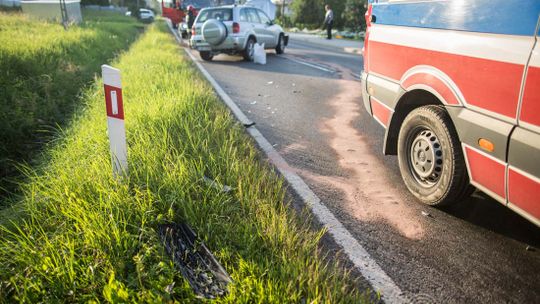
[494, 86]
[381, 113]
[523, 192]
[430, 80]
[486, 171]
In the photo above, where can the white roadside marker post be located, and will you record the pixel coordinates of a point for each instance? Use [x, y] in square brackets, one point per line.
[115, 119]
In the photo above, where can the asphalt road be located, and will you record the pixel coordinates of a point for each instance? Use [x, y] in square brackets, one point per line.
[307, 103]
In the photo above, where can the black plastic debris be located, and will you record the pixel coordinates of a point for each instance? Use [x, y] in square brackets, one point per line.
[205, 275]
[216, 185]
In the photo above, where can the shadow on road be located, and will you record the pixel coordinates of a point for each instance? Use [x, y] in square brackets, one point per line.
[483, 211]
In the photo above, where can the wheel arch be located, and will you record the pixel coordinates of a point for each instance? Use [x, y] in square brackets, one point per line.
[251, 35]
[407, 102]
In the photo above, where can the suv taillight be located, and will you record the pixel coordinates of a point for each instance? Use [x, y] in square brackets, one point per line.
[193, 31]
[235, 28]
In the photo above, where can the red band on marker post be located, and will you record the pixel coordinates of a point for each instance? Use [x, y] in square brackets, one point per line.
[114, 104]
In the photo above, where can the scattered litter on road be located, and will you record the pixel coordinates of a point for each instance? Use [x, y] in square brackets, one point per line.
[274, 145]
[269, 108]
[424, 213]
[216, 185]
[205, 275]
[254, 102]
[273, 112]
[294, 84]
[295, 91]
[249, 111]
[530, 248]
[270, 82]
[251, 124]
[266, 96]
[351, 150]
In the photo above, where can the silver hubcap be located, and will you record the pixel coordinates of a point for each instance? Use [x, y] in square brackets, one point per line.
[426, 158]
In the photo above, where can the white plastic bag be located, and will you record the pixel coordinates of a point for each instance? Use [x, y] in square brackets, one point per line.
[259, 54]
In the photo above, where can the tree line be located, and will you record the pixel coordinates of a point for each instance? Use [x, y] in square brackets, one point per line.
[348, 14]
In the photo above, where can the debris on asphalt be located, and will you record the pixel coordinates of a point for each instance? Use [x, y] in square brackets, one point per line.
[212, 183]
[205, 275]
[295, 91]
[269, 108]
[270, 82]
[254, 102]
[294, 84]
[250, 124]
[530, 248]
[266, 96]
[427, 214]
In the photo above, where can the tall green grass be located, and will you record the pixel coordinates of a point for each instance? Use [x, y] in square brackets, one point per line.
[80, 235]
[43, 70]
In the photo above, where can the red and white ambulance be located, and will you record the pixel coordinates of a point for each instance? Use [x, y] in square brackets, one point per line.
[456, 85]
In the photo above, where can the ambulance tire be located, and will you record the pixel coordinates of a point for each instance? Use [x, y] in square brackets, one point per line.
[430, 157]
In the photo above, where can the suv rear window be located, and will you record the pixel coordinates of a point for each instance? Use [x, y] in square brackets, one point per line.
[223, 14]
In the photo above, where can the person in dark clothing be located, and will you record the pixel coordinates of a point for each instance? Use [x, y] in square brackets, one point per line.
[190, 19]
[328, 21]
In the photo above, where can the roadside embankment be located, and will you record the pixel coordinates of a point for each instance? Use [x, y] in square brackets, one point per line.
[44, 68]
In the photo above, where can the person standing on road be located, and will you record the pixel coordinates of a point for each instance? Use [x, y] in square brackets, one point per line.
[190, 19]
[328, 21]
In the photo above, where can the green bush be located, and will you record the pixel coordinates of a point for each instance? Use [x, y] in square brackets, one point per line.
[44, 69]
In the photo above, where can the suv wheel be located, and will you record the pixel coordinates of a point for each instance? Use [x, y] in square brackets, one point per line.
[280, 48]
[206, 56]
[430, 157]
[249, 51]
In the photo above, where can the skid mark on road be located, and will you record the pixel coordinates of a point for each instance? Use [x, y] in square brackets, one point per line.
[369, 194]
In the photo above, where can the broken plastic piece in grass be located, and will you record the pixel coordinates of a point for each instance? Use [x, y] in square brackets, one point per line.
[205, 275]
[216, 185]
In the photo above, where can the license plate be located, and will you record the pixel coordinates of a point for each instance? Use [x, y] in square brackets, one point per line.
[204, 48]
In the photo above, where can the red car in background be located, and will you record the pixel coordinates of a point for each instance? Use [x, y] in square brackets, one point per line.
[173, 10]
[176, 11]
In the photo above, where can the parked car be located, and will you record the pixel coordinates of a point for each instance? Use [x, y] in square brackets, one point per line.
[145, 15]
[235, 29]
[456, 86]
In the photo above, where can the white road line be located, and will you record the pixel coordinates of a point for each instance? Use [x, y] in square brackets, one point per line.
[315, 66]
[369, 268]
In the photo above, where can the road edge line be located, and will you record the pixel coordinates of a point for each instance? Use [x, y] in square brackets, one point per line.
[311, 65]
[356, 253]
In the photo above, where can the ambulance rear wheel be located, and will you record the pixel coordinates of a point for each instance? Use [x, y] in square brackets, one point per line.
[430, 157]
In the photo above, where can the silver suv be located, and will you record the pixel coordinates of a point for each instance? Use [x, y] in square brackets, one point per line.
[234, 30]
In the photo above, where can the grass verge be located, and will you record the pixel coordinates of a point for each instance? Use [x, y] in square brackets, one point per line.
[44, 69]
[84, 236]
